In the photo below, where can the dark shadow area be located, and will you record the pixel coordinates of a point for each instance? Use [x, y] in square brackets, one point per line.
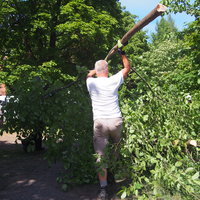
[28, 176]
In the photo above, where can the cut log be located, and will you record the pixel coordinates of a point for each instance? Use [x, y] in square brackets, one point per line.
[157, 11]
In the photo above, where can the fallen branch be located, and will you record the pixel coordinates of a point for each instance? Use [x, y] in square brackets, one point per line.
[157, 11]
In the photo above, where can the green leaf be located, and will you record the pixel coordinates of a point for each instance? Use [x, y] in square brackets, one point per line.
[197, 182]
[178, 164]
[195, 176]
[189, 169]
[123, 196]
[145, 117]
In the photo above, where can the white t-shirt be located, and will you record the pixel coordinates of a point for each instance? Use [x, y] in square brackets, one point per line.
[104, 95]
[2, 99]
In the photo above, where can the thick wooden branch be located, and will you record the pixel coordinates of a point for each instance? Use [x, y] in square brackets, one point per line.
[157, 11]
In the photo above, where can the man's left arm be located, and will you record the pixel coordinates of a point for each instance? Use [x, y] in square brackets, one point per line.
[125, 60]
[91, 73]
[126, 64]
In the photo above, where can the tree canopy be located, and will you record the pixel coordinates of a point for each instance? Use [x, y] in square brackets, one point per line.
[164, 29]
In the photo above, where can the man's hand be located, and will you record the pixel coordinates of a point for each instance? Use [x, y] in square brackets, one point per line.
[121, 47]
[121, 52]
[91, 73]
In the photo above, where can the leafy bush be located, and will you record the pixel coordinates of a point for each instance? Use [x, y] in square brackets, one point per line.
[155, 148]
[158, 129]
[48, 106]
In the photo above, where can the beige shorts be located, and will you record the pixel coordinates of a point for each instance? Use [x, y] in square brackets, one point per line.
[105, 129]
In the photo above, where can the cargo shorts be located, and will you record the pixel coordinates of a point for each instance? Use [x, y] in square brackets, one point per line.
[105, 129]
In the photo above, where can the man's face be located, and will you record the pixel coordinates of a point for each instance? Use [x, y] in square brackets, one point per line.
[2, 89]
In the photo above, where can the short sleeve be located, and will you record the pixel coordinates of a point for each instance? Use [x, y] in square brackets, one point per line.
[88, 82]
[118, 78]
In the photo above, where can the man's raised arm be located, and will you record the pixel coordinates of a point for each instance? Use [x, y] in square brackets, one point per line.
[126, 65]
[91, 73]
[125, 61]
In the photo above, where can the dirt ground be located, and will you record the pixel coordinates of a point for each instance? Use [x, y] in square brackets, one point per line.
[27, 176]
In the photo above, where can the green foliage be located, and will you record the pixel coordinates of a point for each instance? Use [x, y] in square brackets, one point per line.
[155, 150]
[44, 42]
[62, 117]
[157, 129]
[165, 29]
[85, 26]
[29, 84]
[68, 135]
[33, 32]
[175, 6]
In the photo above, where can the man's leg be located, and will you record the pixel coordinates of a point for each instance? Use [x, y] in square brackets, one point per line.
[102, 175]
[100, 140]
[115, 128]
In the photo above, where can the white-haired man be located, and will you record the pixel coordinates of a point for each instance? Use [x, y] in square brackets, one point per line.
[107, 116]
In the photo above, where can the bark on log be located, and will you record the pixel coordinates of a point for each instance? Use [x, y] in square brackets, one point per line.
[157, 11]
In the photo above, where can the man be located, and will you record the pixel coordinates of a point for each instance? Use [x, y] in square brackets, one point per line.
[107, 116]
[2, 89]
[2, 101]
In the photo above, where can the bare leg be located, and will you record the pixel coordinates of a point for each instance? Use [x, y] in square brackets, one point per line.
[103, 183]
[102, 175]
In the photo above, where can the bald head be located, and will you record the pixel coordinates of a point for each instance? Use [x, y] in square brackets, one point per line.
[101, 67]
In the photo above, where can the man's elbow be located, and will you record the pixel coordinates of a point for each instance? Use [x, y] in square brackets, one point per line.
[125, 72]
[88, 76]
